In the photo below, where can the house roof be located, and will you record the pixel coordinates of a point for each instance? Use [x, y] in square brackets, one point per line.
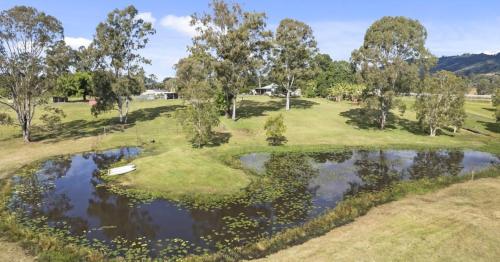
[268, 87]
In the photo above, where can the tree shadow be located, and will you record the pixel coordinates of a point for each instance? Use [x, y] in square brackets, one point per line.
[251, 108]
[489, 109]
[491, 126]
[219, 138]
[83, 128]
[363, 118]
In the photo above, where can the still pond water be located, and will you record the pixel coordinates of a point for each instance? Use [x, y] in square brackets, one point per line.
[67, 194]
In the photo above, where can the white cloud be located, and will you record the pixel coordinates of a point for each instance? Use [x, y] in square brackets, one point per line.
[180, 24]
[147, 17]
[76, 42]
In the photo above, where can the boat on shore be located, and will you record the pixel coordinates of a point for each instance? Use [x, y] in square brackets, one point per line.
[121, 170]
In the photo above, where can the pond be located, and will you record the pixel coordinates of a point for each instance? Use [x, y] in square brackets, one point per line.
[67, 193]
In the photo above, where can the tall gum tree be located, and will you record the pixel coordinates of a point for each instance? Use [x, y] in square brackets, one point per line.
[26, 37]
[392, 59]
[294, 49]
[235, 39]
[116, 44]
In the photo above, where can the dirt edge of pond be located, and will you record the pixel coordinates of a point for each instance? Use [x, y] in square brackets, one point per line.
[12, 252]
[455, 223]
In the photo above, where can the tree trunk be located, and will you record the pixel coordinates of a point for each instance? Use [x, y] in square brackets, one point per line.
[432, 131]
[455, 129]
[119, 103]
[383, 117]
[84, 97]
[26, 132]
[228, 106]
[126, 110]
[287, 100]
[234, 109]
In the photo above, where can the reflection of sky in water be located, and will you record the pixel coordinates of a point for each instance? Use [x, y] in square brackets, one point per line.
[255, 161]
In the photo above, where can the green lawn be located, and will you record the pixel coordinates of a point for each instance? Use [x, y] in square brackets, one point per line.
[171, 167]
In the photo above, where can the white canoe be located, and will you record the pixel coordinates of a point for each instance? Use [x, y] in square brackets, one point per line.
[121, 170]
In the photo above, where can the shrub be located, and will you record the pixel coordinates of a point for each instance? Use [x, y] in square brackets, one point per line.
[198, 120]
[275, 130]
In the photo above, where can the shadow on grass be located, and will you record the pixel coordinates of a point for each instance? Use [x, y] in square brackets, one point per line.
[219, 138]
[250, 108]
[363, 118]
[84, 128]
[491, 126]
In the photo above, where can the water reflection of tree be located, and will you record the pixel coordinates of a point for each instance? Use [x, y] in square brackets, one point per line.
[125, 220]
[32, 189]
[376, 172]
[37, 194]
[290, 175]
[338, 157]
[436, 163]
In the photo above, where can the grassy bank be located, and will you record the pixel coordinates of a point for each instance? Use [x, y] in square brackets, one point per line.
[170, 167]
[459, 223]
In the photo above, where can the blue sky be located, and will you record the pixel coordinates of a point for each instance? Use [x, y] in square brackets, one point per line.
[454, 26]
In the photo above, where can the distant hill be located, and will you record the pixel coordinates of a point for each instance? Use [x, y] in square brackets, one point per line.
[470, 64]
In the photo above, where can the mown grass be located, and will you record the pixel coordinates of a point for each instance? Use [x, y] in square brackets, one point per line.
[171, 167]
[459, 223]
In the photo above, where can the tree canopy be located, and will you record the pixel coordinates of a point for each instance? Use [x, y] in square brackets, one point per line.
[116, 45]
[26, 37]
[235, 39]
[392, 60]
[440, 102]
[293, 55]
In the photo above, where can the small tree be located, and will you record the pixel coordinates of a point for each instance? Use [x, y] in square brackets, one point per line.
[26, 38]
[196, 85]
[275, 130]
[440, 102]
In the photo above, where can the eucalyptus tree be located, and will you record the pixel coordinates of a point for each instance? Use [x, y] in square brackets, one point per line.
[391, 60]
[116, 45]
[235, 39]
[26, 37]
[294, 49]
[440, 102]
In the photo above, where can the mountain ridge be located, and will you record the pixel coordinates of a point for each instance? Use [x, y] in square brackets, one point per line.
[470, 64]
